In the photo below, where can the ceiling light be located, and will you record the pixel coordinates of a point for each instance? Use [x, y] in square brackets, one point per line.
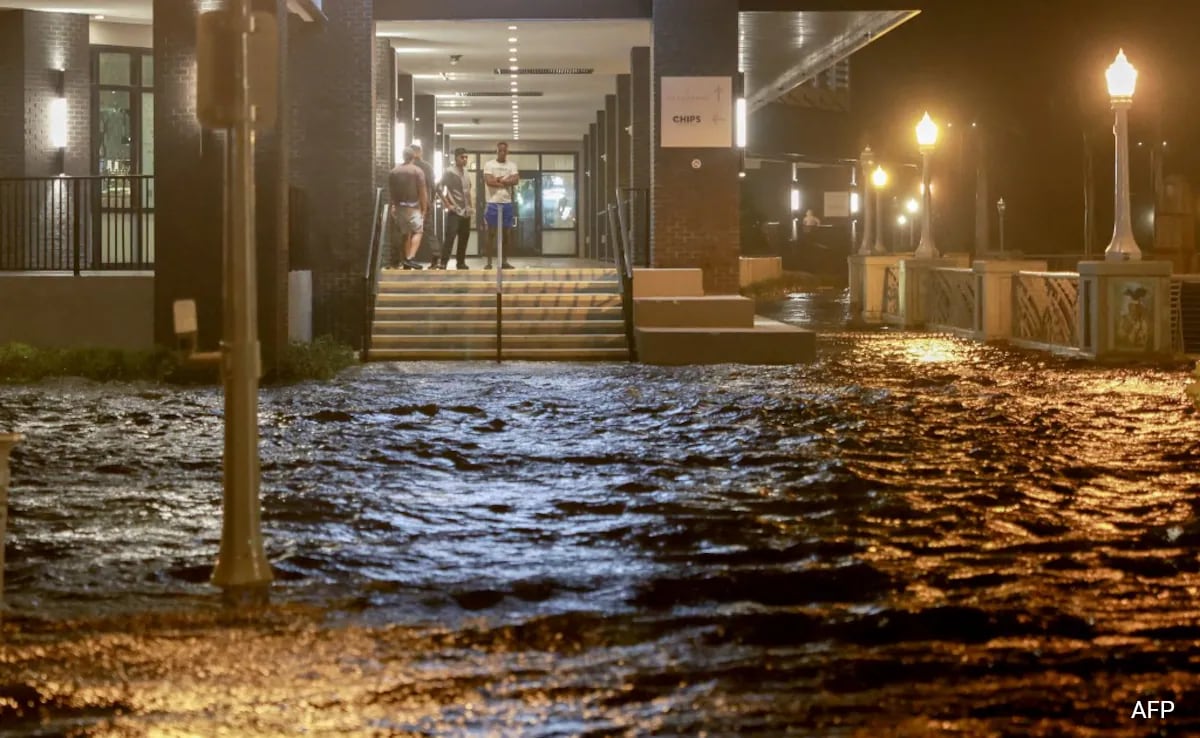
[512, 68]
[98, 17]
[512, 58]
[512, 39]
[513, 50]
[512, 28]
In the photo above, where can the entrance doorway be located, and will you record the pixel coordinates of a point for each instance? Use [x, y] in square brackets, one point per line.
[546, 200]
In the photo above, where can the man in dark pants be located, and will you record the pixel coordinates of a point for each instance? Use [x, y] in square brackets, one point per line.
[457, 190]
[430, 236]
[408, 196]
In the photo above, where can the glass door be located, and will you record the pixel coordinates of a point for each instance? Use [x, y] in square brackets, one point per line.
[525, 194]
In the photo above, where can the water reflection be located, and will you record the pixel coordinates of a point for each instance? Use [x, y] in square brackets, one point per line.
[912, 536]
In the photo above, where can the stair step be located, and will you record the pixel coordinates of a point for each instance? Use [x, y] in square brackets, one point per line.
[509, 354]
[484, 341]
[568, 299]
[511, 327]
[488, 313]
[524, 286]
[510, 275]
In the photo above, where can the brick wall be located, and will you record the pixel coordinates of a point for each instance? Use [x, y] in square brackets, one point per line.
[332, 160]
[57, 41]
[639, 146]
[695, 213]
[32, 46]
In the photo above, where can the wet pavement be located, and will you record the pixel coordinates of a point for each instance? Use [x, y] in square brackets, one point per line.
[915, 535]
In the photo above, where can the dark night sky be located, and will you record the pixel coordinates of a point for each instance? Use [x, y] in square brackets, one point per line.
[1031, 74]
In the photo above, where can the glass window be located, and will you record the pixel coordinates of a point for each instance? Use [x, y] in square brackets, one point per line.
[562, 162]
[147, 70]
[115, 69]
[558, 200]
[116, 132]
[524, 162]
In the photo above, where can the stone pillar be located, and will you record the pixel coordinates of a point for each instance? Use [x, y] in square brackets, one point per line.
[624, 126]
[596, 182]
[639, 149]
[868, 283]
[385, 110]
[994, 296]
[332, 86]
[1125, 309]
[695, 208]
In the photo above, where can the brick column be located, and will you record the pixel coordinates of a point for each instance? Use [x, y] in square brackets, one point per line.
[613, 162]
[594, 170]
[624, 119]
[385, 109]
[190, 191]
[600, 181]
[639, 147]
[189, 182]
[331, 85]
[695, 211]
[33, 47]
[585, 194]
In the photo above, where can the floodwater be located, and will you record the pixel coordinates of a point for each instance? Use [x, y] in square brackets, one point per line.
[915, 535]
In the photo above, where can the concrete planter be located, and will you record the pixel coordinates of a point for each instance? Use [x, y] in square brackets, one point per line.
[7, 441]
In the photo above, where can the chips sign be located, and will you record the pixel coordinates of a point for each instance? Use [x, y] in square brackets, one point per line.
[697, 112]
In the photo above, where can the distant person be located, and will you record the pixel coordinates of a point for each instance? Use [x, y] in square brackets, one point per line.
[500, 176]
[410, 199]
[430, 236]
[457, 190]
[810, 221]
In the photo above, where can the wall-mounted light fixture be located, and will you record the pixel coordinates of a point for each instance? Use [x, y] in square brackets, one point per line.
[739, 111]
[58, 119]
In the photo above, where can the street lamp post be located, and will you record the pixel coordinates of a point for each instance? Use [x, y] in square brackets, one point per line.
[1000, 207]
[879, 178]
[927, 132]
[912, 206]
[1122, 79]
[866, 161]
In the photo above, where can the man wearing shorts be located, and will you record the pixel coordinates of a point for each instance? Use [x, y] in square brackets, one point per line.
[500, 176]
[410, 199]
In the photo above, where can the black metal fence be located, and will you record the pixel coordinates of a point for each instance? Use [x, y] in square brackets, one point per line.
[74, 224]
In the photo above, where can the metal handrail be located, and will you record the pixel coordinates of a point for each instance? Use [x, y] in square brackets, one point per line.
[371, 276]
[624, 272]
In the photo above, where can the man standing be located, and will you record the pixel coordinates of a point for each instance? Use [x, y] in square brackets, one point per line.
[501, 176]
[430, 235]
[457, 190]
[410, 199]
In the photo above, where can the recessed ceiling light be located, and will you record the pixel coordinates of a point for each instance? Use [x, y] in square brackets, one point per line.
[512, 28]
[98, 17]
[512, 68]
[512, 58]
[513, 76]
[512, 39]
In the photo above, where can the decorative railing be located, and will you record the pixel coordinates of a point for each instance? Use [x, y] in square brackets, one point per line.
[891, 291]
[951, 299]
[1185, 313]
[74, 224]
[1046, 309]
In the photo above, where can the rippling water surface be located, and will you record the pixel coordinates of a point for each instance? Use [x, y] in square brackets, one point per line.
[915, 535]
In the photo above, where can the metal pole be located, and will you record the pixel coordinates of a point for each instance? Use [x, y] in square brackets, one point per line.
[242, 570]
[879, 245]
[926, 248]
[499, 280]
[1123, 246]
[866, 161]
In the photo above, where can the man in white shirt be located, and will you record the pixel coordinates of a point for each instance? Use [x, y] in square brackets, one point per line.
[500, 177]
[457, 190]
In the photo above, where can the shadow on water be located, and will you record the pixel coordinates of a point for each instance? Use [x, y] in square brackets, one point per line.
[914, 535]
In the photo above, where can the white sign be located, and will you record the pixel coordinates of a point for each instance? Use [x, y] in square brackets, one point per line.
[697, 112]
[837, 204]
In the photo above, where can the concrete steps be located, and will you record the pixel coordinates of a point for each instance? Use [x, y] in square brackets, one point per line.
[549, 315]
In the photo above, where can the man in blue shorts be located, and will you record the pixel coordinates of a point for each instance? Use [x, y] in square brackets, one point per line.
[500, 176]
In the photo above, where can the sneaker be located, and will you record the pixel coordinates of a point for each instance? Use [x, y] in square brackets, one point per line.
[435, 264]
[506, 265]
[462, 265]
[410, 264]
[487, 265]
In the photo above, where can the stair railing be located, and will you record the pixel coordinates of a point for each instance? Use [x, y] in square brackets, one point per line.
[371, 275]
[621, 239]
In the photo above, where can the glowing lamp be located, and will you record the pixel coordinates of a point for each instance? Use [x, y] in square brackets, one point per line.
[1121, 77]
[912, 206]
[58, 123]
[879, 178]
[927, 131]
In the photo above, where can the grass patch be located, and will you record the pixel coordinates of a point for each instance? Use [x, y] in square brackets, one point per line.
[777, 289]
[20, 363]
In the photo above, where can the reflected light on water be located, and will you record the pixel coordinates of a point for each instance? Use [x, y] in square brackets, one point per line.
[936, 350]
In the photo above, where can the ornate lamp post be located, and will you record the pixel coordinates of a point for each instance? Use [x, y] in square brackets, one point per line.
[1000, 207]
[927, 132]
[1122, 79]
[879, 178]
[866, 160]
